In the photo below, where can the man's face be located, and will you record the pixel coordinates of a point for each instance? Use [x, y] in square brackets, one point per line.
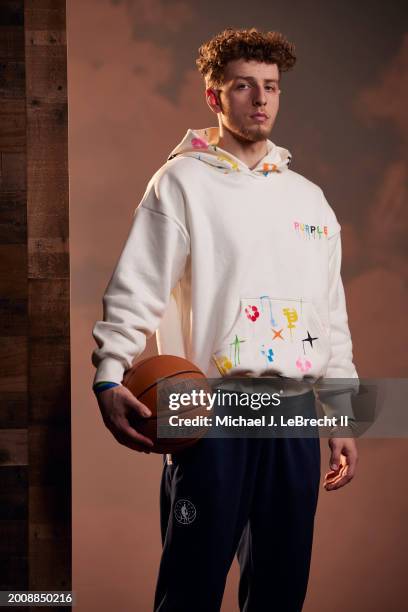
[249, 99]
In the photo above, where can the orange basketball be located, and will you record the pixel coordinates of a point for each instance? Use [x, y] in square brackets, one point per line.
[166, 373]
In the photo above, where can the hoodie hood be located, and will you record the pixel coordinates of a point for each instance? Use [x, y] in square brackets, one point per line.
[202, 144]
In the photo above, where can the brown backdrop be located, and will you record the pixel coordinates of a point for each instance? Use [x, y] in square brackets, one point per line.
[133, 92]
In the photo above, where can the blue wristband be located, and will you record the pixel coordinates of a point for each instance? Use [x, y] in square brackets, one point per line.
[103, 385]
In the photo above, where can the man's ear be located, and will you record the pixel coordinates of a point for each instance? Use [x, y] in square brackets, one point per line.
[213, 100]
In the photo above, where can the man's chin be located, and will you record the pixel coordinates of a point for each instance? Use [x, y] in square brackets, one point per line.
[255, 133]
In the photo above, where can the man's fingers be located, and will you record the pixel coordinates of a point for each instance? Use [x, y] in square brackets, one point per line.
[335, 454]
[351, 458]
[342, 479]
[337, 479]
[131, 438]
[135, 436]
[121, 413]
[138, 408]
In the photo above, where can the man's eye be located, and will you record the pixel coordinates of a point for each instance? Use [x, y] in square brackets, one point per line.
[241, 85]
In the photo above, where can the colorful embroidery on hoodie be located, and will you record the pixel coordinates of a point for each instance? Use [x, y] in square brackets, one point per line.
[269, 354]
[261, 315]
[252, 313]
[267, 168]
[236, 343]
[303, 364]
[292, 317]
[310, 339]
[203, 145]
[277, 333]
[234, 165]
[266, 297]
[223, 364]
[310, 231]
[199, 143]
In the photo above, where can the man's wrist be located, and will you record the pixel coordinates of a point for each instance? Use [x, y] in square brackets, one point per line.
[103, 385]
[345, 431]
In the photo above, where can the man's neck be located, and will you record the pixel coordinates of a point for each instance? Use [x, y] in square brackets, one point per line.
[250, 153]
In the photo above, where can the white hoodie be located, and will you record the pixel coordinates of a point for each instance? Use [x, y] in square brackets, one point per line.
[237, 270]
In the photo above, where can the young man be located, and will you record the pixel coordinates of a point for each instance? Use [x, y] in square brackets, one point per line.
[230, 248]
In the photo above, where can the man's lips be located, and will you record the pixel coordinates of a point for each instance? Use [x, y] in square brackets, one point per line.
[259, 117]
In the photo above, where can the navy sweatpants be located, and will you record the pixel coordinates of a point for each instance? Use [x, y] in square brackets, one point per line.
[256, 497]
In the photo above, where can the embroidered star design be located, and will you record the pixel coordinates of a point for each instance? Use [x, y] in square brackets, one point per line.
[277, 333]
[308, 339]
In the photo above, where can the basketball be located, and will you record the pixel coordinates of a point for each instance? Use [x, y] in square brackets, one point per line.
[166, 373]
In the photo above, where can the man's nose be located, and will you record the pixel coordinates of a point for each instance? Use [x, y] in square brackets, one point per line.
[259, 97]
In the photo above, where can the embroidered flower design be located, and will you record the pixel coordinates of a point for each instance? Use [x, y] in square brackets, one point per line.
[198, 143]
[303, 365]
[252, 312]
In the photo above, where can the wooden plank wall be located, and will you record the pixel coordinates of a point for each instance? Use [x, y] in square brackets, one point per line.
[13, 303]
[35, 426]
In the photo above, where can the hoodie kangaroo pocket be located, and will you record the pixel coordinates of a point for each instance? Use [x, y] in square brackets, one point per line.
[273, 335]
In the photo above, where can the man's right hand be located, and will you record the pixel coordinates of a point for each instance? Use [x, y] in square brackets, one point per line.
[117, 405]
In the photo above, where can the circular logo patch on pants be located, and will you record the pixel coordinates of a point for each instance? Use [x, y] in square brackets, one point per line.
[184, 511]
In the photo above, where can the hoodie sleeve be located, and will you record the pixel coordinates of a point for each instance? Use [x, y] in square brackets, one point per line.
[341, 365]
[150, 265]
[341, 360]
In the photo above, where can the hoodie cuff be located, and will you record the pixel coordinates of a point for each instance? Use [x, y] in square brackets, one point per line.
[339, 405]
[109, 369]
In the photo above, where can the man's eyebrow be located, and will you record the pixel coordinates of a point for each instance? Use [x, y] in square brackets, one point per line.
[251, 78]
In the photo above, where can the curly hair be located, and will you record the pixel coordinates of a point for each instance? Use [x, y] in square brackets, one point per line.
[232, 44]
